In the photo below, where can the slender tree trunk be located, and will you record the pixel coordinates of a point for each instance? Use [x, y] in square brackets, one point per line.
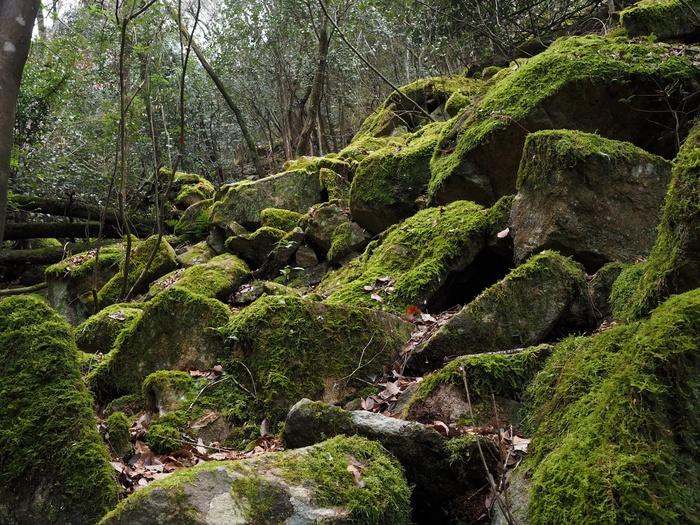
[313, 104]
[16, 23]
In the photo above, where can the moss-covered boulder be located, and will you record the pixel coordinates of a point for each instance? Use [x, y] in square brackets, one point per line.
[497, 382]
[439, 469]
[416, 264]
[295, 190]
[281, 255]
[196, 254]
[163, 262]
[99, 332]
[348, 240]
[343, 480]
[70, 282]
[54, 466]
[518, 311]
[297, 348]
[668, 20]
[218, 278]
[428, 93]
[194, 222]
[590, 83]
[191, 191]
[588, 197]
[389, 182]
[674, 263]
[254, 247]
[322, 220]
[616, 423]
[178, 330]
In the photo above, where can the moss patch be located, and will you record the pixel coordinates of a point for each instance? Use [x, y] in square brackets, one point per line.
[177, 329]
[420, 255]
[279, 219]
[54, 466]
[615, 418]
[98, 333]
[297, 348]
[666, 19]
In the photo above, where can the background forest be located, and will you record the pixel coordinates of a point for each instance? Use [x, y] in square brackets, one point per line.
[301, 82]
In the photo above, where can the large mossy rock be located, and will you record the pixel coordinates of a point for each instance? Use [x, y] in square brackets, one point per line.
[218, 278]
[163, 262]
[70, 282]
[54, 466]
[418, 261]
[591, 198]
[99, 332]
[343, 480]
[255, 247]
[428, 93]
[616, 419]
[518, 311]
[592, 84]
[439, 469]
[177, 330]
[674, 263]
[295, 190]
[296, 348]
[668, 20]
[389, 182]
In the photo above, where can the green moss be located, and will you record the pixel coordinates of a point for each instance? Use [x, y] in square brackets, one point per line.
[296, 348]
[673, 264]
[568, 62]
[191, 194]
[163, 439]
[217, 278]
[163, 262]
[49, 444]
[549, 153]
[615, 418]
[418, 254]
[279, 219]
[177, 329]
[389, 180]
[666, 19]
[396, 112]
[118, 426]
[83, 264]
[624, 289]
[98, 333]
[194, 223]
[504, 375]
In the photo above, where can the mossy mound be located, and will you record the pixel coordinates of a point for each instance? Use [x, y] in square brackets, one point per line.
[414, 262]
[255, 247]
[518, 311]
[388, 182]
[588, 83]
[54, 466]
[502, 378]
[667, 20]
[194, 223]
[98, 333]
[163, 263]
[70, 282]
[297, 348]
[218, 278]
[279, 219]
[314, 484]
[674, 263]
[616, 423]
[428, 93]
[178, 329]
[190, 194]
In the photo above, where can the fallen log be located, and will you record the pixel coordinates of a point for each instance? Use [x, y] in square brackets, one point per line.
[58, 230]
[49, 255]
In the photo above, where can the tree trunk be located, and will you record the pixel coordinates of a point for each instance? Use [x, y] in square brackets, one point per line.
[313, 104]
[16, 23]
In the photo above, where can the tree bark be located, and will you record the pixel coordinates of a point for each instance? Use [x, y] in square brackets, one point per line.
[313, 103]
[16, 23]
